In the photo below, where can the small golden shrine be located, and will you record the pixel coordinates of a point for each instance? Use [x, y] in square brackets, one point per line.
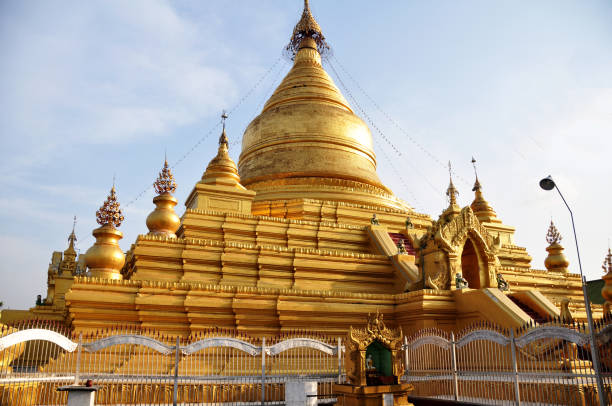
[374, 363]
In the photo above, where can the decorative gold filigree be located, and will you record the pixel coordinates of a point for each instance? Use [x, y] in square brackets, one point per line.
[607, 264]
[165, 181]
[553, 236]
[110, 213]
[307, 27]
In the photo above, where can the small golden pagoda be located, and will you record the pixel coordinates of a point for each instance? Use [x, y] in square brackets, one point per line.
[303, 234]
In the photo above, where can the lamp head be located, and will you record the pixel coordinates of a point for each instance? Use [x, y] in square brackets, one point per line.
[547, 183]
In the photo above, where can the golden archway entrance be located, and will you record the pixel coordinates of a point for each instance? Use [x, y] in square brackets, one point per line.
[470, 265]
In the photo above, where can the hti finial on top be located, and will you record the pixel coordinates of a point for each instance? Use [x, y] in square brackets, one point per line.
[477, 182]
[72, 237]
[165, 181]
[110, 213]
[553, 236]
[307, 27]
[223, 138]
[451, 192]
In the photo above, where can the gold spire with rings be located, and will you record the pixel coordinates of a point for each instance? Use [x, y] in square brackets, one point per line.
[307, 27]
[221, 170]
[307, 143]
[163, 220]
[556, 260]
[606, 290]
[105, 258]
[481, 208]
[451, 192]
[68, 263]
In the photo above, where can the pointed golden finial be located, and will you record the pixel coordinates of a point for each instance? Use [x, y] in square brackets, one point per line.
[110, 213]
[606, 290]
[163, 220]
[476, 183]
[223, 138]
[222, 169]
[451, 192]
[556, 260]
[481, 208]
[68, 263]
[72, 237]
[307, 27]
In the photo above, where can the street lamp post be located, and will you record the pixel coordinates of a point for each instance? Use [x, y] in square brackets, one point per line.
[549, 184]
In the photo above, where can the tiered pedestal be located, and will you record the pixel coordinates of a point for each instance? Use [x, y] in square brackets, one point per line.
[381, 395]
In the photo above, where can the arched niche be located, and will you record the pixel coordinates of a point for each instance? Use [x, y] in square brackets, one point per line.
[381, 358]
[473, 267]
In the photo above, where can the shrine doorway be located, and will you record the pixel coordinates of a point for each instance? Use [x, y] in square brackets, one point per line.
[470, 265]
[381, 358]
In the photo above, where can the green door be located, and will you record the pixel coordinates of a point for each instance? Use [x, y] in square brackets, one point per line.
[381, 358]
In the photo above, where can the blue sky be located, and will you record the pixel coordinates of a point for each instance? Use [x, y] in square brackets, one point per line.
[93, 89]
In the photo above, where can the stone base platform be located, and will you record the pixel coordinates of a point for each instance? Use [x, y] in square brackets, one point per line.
[381, 395]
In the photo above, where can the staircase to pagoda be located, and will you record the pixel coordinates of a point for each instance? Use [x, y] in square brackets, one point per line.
[396, 237]
[530, 312]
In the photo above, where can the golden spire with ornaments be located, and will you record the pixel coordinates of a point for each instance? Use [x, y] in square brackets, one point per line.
[105, 258]
[163, 220]
[556, 260]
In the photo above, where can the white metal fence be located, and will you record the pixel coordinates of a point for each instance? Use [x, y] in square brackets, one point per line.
[548, 364]
[147, 368]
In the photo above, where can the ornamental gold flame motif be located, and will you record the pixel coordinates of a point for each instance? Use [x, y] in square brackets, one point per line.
[553, 236]
[110, 213]
[165, 181]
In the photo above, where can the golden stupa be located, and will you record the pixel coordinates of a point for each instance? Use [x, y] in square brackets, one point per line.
[303, 234]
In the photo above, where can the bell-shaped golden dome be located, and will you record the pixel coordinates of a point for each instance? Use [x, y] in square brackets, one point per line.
[221, 170]
[307, 142]
[105, 258]
[556, 260]
[163, 220]
[481, 208]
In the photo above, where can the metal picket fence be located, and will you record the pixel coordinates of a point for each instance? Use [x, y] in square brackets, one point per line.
[547, 364]
[143, 367]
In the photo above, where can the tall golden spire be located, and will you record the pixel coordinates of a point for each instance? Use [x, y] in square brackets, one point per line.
[68, 263]
[307, 27]
[307, 143]
[451, 191]
[105, 258]
[480, 207]
[163, 220]
[71, 239]
[556, 260]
